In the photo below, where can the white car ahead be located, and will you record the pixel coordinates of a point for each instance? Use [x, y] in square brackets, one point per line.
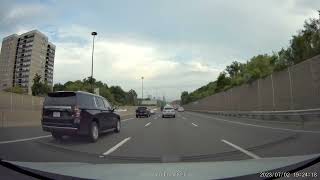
[180, 109]
[168, 112]
[152, 111]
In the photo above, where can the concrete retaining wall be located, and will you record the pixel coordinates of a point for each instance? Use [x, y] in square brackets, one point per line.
[295, 88]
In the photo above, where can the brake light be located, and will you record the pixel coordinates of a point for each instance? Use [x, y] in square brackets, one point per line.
[76, 112]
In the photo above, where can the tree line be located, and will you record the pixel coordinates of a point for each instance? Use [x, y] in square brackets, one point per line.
[302, 46]
[115, 94]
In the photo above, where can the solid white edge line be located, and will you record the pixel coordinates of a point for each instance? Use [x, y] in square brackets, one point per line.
[194, 124]
[148, 124]
[241, 149]
[25, 139]
[124, 120]
[260, 126]
[116, 146]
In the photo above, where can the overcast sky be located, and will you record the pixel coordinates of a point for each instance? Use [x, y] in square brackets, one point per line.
[175, 44]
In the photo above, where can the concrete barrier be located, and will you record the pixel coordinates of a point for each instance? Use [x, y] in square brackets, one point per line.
[33, 118]
[295, 116]
[21, 118]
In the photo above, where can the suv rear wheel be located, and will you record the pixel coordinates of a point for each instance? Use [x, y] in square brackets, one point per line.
[118, 126]
[94, 132]
[56, 135]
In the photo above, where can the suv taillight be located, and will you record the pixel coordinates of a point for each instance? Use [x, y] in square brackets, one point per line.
[76, 112]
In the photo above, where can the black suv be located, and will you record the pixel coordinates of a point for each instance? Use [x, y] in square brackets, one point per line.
[142, 111]
[81, 113]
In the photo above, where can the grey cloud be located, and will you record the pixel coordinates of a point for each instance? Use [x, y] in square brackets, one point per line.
[214, 33]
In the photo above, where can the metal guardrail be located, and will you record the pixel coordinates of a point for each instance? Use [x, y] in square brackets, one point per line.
[291, 115]
[2, 119]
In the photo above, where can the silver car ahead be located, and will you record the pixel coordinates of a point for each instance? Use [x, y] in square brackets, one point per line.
[180, 109]
[168, 112]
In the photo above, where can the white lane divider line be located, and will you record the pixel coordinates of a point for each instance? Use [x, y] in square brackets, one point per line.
[194, 124]
[241, 149]
[116, 146]
[25, 139]
[148, 124]
[127, 119]
[183, 117]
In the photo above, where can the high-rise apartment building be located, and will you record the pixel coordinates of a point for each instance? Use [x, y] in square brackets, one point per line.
[22, 57]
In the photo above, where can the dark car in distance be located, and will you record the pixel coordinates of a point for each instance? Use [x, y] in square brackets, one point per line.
[78, 113]
[142, 111]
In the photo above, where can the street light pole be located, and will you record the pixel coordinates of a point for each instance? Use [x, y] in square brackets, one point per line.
[94, 35]
[142, 88]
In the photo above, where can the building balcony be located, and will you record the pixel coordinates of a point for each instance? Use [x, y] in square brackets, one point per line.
[21, 76]
[23, 55]
[22, 70]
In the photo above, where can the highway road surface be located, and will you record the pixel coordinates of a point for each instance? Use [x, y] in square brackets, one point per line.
[190, 137]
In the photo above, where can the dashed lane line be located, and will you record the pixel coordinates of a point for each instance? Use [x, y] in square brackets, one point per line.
[241, 149]
[25, 139]
[148, 124]
[116, 146]
[194, 124]
[127, 119]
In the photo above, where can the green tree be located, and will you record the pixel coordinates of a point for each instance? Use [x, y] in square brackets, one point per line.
[114, 94]
[184, 97]
[284, 59]
[46, 88]
[15, 89]
[223, 81]
[106, 93]
[89, 84]
[132, 97]
[119, 95]
[258, 67]
[234, 69]
[74, 86]
[58, 87]
[38, 87]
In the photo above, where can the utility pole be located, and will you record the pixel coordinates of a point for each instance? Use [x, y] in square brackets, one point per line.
[142, 88]
[94, 35]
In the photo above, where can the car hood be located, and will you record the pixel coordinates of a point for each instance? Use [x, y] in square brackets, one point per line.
[246, 169]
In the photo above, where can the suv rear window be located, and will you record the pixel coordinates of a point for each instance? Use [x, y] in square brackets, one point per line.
[85, 101]
[60, 99]
[100, 103]
[142, 108]
[168, 108]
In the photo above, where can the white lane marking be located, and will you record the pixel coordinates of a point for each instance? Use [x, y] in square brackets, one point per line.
[194, 124]
[25, 139]
[241, 149]
[148, 124]
[155, 117]
[183, 117]
[116, 146]
[127, 119]
[260, 126]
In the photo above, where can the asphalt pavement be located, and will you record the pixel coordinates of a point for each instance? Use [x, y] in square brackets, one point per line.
[190, 137]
